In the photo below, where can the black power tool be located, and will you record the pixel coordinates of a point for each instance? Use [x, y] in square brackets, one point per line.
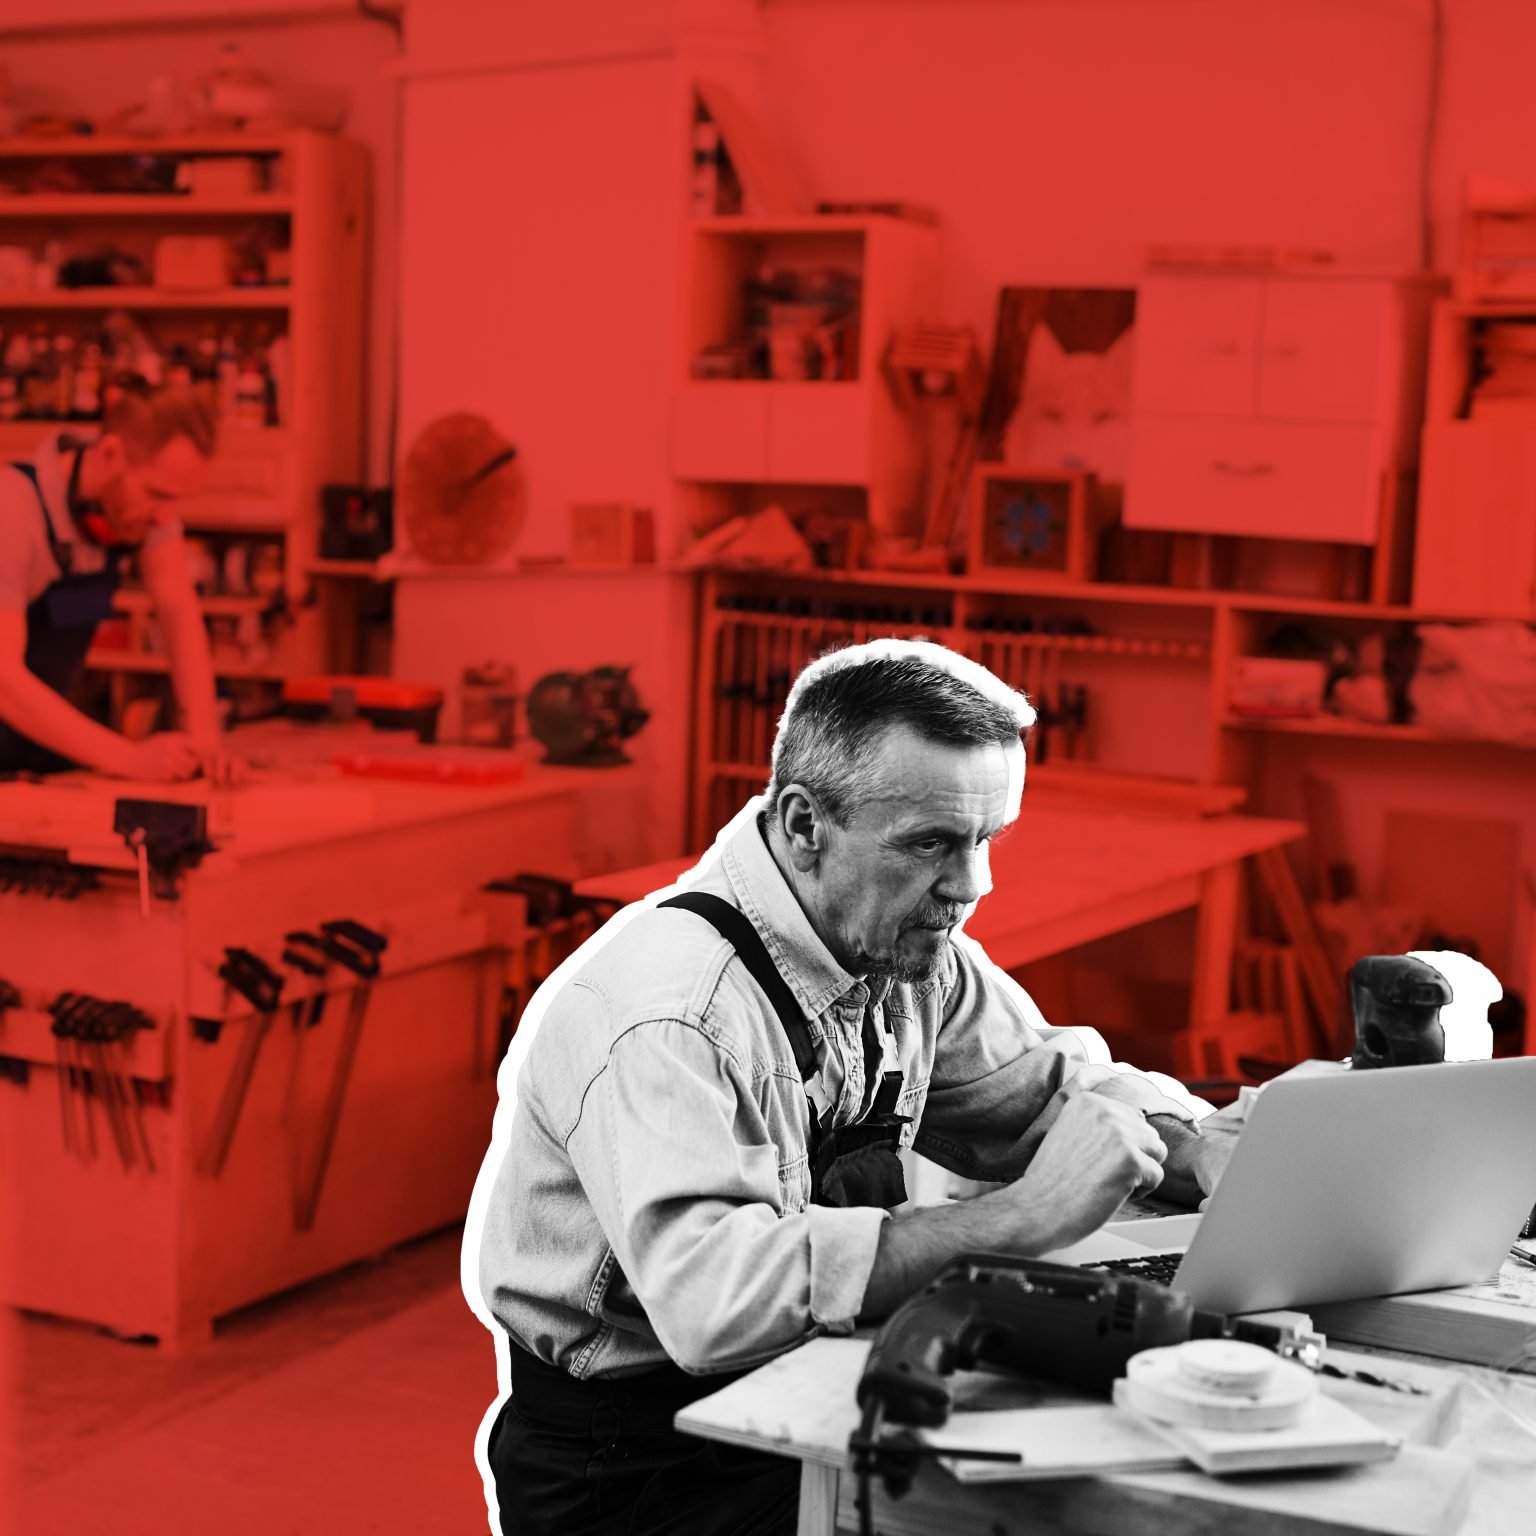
[1051, 1321]
[1396, 1001]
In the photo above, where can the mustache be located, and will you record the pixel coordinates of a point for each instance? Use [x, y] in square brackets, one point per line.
[937, 917]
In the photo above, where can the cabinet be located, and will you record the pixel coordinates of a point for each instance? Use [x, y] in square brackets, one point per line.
[844, 431]
[1475, 546]
[308, 211]
[1276, 405]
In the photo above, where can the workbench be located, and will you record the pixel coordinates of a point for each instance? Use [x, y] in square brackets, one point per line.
[1464, 1466]
[147, 1233]
[1067, 874]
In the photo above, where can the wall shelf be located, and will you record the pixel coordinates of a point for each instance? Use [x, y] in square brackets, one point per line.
[130, 205]
[273, 298]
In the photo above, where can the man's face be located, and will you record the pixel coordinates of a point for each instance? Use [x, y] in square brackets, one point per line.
[913, 860]
[139, 495]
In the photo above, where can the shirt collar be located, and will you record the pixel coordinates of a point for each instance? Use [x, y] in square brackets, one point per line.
[805, 963]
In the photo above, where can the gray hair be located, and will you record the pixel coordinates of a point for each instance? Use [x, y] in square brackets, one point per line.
[843, 703]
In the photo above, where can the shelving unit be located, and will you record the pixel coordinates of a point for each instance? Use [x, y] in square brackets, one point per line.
[845, 436]
[263, 485]
[757, 630]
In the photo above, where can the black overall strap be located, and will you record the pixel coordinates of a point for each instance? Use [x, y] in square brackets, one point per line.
[63, 554]
[735, 927]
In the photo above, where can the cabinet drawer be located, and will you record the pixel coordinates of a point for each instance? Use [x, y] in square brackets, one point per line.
[1197, 341]
[720, 431]
[1327, 351]
[818, 434]
[1262, 479]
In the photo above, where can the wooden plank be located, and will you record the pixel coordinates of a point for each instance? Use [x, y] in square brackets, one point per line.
[1324, 990]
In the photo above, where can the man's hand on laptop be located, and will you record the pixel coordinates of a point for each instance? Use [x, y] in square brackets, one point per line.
[1195, 1161]
[1096, 1156]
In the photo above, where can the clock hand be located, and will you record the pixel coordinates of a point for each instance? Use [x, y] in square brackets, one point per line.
[486, 470]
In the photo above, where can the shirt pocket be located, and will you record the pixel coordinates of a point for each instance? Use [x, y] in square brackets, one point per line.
[795, 1184]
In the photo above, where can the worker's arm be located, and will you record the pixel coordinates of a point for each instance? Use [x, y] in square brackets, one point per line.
[1096, 1155]
[167, 577]
[1001, 1076]
[32, 708]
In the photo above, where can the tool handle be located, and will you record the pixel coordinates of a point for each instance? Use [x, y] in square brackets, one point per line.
[358, 934]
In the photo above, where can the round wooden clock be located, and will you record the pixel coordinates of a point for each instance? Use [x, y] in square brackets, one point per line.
[461, 493]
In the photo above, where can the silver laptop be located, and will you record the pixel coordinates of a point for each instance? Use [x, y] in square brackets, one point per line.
[1357, 1184]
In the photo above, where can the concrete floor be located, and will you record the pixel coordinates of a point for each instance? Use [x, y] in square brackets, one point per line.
[349, 1405]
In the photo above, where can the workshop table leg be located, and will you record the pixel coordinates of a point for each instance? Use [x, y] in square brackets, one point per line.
[818, 1500]
[1203, 1051]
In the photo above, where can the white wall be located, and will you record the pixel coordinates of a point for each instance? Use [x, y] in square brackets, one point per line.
[92, 72]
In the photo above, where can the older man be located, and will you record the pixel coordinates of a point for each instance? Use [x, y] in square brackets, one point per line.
[701, 1163]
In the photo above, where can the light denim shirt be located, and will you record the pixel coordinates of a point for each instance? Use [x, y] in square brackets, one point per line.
[654, 1199]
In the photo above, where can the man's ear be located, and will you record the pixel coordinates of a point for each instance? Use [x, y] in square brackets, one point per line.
[110, 454]
[805, 826]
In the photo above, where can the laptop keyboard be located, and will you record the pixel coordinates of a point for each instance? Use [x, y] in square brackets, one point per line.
[1158, 1267]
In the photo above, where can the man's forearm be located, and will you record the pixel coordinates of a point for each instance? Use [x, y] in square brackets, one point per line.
[30, 706]
[186, 637]
[915, 1246]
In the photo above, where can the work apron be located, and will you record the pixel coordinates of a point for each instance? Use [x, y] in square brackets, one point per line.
[61, 621]
[600, 1457]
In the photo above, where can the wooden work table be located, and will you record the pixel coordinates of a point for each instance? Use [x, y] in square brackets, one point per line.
[1465, 1466]
[160, 1242]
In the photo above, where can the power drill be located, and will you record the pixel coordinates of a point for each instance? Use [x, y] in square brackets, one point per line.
[1396, 1001]
[1057, 1322]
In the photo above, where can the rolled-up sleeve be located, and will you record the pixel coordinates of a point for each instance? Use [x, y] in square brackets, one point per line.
[1001, 1074]
[674, 1154]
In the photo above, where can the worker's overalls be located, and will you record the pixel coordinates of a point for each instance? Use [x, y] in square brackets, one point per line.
[60, 623]
[600, 1457]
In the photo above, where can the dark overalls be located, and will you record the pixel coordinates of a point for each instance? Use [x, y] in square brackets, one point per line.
[60, 623]
[600, 1457]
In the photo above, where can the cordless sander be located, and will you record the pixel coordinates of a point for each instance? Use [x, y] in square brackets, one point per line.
[1396, 1001]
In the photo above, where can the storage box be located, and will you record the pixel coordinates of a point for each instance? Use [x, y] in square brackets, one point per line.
[384, 701]
[192, 261]
[356, 522]
[612, 533]
[1277, 687]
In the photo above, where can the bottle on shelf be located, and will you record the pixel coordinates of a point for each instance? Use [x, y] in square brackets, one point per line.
[277, 382]
[63, 375]
[205, 368]
[251, 391]
[178, 373]
[228, 367]
[38, 393]
[10, 396]
[85, 403]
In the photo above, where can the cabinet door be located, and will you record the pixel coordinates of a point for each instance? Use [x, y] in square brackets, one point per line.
[720, 431]
[1327, 350]
[818, 433]
[1263, 479]
[1475, 544]
[1197, 341]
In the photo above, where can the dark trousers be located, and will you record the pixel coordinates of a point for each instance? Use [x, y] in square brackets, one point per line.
[600, 1458]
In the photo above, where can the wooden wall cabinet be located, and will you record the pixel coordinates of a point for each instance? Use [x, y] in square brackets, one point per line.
[1280, 404]
[848, 431]
[1475, 547]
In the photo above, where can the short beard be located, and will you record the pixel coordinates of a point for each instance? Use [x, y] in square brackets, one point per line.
[912, 973]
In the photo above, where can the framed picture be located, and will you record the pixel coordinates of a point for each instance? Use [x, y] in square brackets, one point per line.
[1059, 394]
[1039, 521]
